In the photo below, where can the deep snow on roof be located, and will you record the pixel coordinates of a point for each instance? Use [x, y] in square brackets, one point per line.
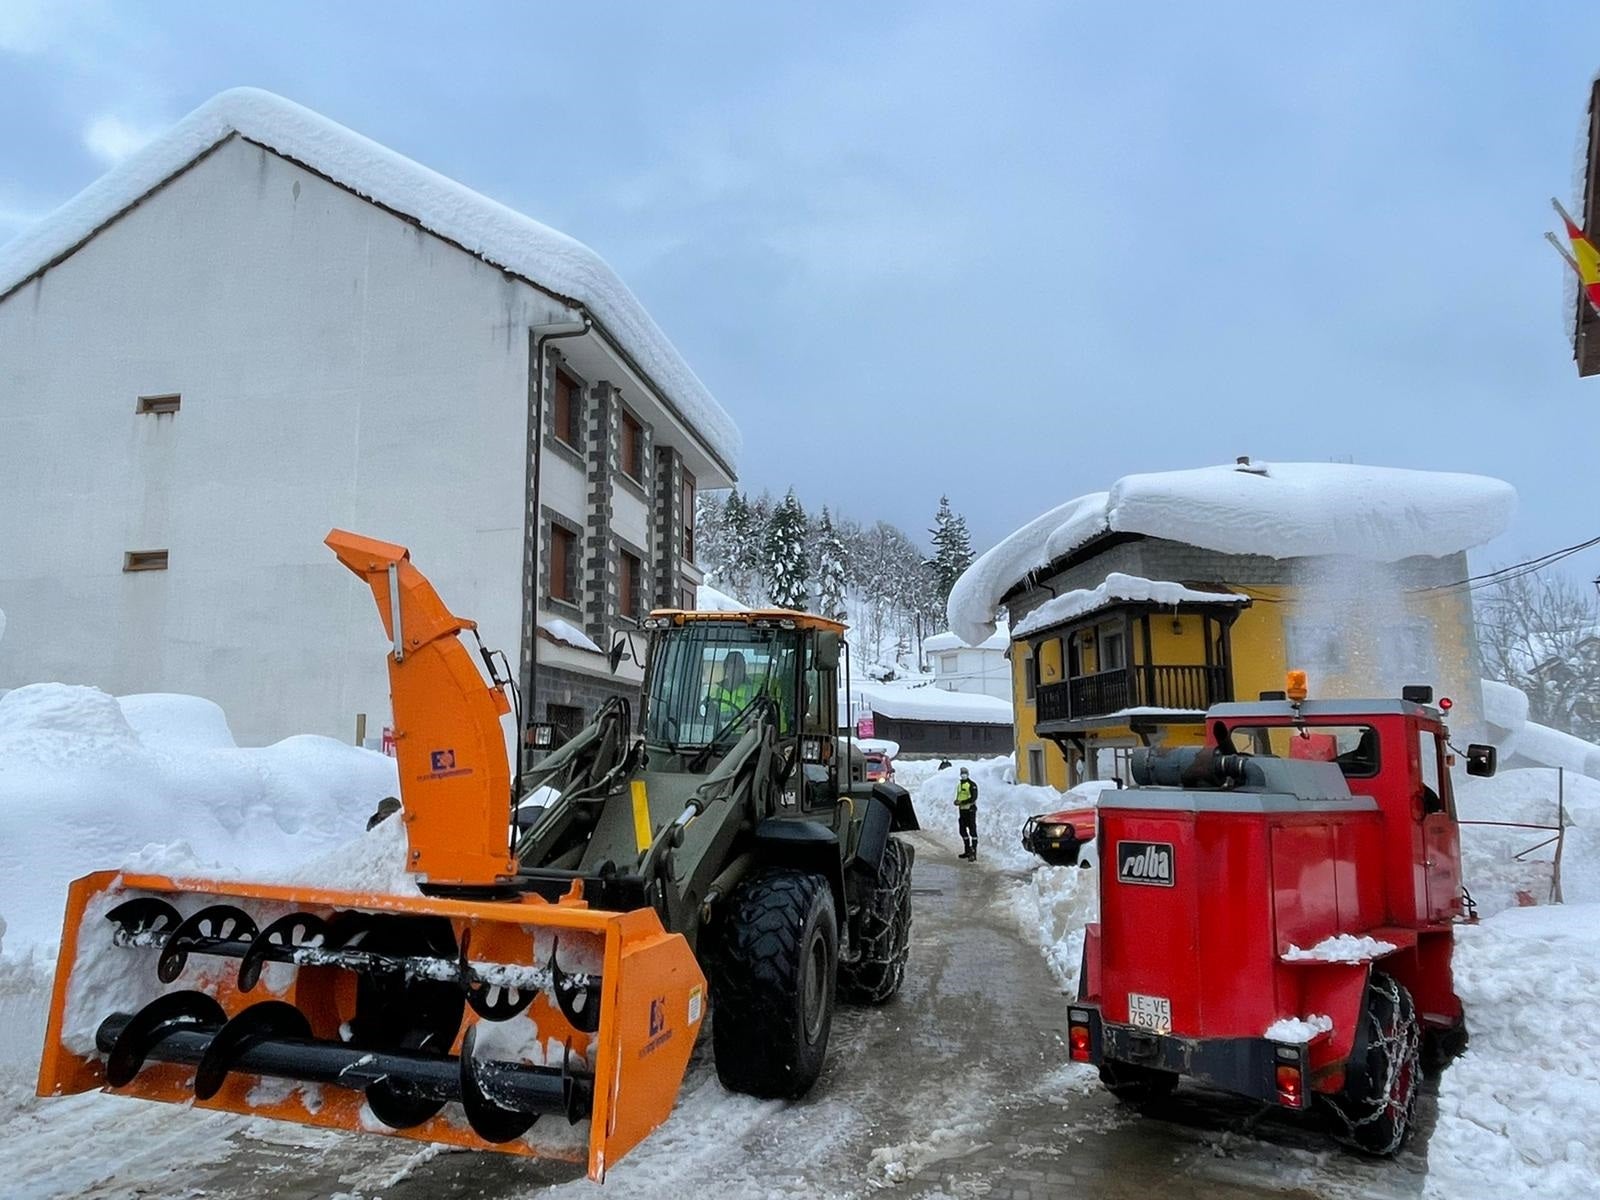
[1280, 510]
[484, 227]
[1000, 639]
[924, 702]
[1117, 588]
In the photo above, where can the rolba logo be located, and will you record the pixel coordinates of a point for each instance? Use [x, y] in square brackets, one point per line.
[1145, 862]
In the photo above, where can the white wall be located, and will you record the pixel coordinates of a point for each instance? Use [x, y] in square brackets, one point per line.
[337, 366]
[976, 670]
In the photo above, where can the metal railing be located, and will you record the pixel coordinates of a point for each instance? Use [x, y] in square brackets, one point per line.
[1557, 838]
[1105, 692]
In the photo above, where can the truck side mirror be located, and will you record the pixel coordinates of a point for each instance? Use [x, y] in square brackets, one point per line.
[1481, 759]
[825, 652]
[619, 646]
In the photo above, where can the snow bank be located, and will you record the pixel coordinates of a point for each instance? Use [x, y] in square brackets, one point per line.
[1118, 587]
[483, 227]
[1488, 852]
[1518, 1111]
[88, 783]
[1282, 510]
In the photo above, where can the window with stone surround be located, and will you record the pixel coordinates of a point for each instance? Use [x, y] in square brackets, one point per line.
[688, 517]
[632, 448]
[563, 564]
[567, 410]
[630, 581]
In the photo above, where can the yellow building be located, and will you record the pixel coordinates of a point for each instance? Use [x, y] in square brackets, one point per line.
[1134, 610]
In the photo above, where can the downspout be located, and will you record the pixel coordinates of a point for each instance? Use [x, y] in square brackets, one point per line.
[541, 335]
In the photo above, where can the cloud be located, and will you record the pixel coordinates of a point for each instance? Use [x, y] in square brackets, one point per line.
[111, 138]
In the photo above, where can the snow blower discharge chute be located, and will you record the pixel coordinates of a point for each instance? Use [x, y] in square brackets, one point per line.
[499, 996]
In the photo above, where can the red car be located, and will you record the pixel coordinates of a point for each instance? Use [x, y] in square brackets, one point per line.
[879, 768]
[1059, 837]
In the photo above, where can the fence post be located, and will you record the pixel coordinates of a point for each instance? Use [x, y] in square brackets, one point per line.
[1561, 834]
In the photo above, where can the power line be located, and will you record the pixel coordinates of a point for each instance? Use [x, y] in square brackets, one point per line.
[1505, 574]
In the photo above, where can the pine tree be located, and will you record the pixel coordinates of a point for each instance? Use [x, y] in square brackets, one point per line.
[830, 567]
[784, 563]
[952, 549]
[740, 547]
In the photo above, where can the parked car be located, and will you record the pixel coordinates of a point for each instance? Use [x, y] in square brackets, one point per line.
[1060, 837]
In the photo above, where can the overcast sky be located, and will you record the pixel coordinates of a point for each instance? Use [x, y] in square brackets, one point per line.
[1008, 251]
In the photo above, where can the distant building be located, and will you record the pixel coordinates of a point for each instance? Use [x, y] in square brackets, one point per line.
[980, 669]
[928, 721]
[263, 325]
[1134, 610]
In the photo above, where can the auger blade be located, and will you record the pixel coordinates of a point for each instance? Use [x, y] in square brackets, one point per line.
[445, 1020]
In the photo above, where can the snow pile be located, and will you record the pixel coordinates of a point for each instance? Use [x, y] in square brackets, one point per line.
[1340, 948]
[1490, 868]
[567, 634]
[1116, 588]
[484, 227]
[1281, 510]
[87, 784]
[1517, 1112]
[1295, 1029]
[919, 700]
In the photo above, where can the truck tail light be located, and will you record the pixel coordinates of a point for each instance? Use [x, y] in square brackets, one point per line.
[1291, 1092]
[1078, 1042]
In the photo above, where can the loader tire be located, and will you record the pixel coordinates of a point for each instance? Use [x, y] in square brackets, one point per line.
[772, 970]
[1135, 1085]
[884, 932]
[1372, 1112]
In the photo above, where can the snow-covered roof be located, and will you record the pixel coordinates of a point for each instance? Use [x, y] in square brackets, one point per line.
[998, 640]
[1117, 589]
[1280, 510]
[484, 227]
[567, 634]
[924, 702]
[710, 599]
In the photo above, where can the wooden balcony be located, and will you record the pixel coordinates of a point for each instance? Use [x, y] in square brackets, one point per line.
[1088, 697]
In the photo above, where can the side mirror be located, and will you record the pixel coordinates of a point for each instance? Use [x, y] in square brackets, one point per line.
[619, 647]
[825, 652]
[1481, 759]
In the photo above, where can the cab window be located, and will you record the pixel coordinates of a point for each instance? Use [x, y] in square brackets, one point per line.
[1352, 748]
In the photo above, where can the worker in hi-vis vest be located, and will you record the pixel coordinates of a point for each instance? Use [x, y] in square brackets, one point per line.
[967, 815]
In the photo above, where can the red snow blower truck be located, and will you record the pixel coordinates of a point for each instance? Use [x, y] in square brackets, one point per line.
[1277, 911]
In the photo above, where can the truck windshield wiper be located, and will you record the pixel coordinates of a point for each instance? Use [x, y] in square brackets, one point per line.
[699, 761]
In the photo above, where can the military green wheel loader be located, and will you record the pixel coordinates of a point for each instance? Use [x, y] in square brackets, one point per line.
[738, 813]
[572, 915]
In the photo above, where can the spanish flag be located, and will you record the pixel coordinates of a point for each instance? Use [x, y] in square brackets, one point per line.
[1584, 257]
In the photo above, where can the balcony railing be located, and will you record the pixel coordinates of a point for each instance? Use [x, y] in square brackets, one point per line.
[1107, 692]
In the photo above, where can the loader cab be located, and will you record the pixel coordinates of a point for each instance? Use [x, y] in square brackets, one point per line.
[712, 675]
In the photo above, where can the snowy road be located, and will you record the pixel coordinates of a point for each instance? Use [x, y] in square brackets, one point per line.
[957, 1089]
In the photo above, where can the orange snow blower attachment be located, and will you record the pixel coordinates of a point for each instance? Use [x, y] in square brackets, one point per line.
[461, 1016]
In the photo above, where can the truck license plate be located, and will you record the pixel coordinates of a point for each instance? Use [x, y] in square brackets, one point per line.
[1150, 1012]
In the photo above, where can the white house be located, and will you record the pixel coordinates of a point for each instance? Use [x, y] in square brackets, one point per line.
[958, 667]
[262, 326]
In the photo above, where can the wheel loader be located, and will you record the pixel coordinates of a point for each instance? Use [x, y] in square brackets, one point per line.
[569, 926]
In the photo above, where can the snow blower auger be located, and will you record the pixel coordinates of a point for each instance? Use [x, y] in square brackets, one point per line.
[462, 1016]
[549, 967]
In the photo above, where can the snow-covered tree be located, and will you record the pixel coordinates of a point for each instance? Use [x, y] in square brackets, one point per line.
[952, 549]
[784, 565]
[829, 554]
[1542, 634]
[741, 548]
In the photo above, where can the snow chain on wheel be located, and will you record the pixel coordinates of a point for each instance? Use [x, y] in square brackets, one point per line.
[1373, 1111]
[772, 971]
[885, 932]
